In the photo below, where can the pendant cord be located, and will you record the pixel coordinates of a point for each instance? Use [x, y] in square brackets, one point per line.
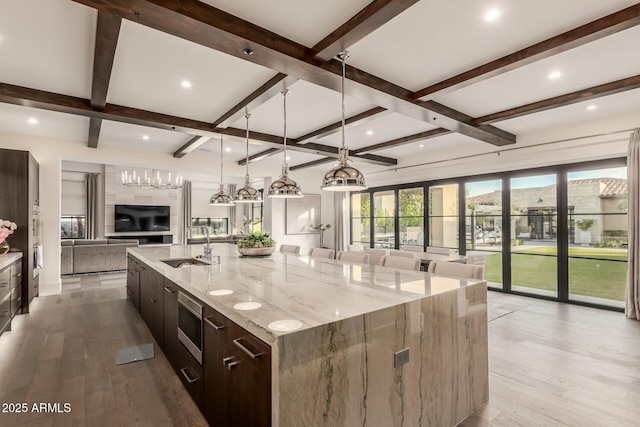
[344, 57]
[247, 115]
[221, 160]
[284, 94]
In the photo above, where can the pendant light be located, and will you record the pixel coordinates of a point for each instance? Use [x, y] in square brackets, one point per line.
[285, 187]
[343, 177]
[248, 194]
[221, 198]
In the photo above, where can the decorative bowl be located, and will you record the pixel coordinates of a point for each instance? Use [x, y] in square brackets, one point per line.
[257, 251]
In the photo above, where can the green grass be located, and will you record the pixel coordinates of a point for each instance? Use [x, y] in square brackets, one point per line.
[594, 278]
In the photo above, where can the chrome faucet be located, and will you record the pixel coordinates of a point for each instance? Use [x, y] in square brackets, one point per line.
[207, 246]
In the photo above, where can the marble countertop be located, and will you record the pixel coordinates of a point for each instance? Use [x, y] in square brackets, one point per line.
[9, 258]
[296, 291]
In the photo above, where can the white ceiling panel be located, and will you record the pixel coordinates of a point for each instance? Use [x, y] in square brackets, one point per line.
[609, 106]
[47, 45]
[50, 124]
[421, 151]
[599, 62]
[305, 22]
[150, 65]
[309, 107]
[437, 39]
[129, 135]
[381, 129]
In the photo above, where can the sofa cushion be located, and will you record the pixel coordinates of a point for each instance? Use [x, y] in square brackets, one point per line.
[81, 242]
[66, 242]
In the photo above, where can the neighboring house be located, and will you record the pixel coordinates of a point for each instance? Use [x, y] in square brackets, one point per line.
[534, 210]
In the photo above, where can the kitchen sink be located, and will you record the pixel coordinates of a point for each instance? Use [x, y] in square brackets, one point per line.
[188, 261]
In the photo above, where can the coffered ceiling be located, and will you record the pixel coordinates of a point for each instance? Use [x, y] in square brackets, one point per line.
[423, 75]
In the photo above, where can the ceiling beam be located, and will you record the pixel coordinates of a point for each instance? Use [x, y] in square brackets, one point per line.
[107, 32]
[373, 16]
[312, 163]
[205, 25]
[358, 119]
[563, 100]
[594, 30]
[34, 98]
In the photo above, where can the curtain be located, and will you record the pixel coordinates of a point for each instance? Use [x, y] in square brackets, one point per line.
[186, 211]
[91, 181]
[633, 193]
[342, 226]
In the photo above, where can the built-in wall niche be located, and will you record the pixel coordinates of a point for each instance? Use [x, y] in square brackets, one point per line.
[118, 194]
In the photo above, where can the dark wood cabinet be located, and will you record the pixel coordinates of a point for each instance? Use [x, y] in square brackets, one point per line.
[133, 281]
[152, 301]
[19, 196]
[5, 298]
[191, 374]
[16, 287]
[171, 322]
[237, 374]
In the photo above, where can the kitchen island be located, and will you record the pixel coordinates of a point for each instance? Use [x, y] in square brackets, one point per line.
[337, 332]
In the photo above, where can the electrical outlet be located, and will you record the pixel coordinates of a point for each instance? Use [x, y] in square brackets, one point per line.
[400, 357]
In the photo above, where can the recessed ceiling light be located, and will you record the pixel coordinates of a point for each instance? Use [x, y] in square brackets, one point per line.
[421, 145]
[288, 157]
[592, 107]
[492, 15]
[227, 149]
[369, 132]
[554, 75]
[185, 84]
[145, 137]
[32, 120]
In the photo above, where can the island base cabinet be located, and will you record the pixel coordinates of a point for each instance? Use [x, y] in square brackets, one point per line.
[191, 374]
[237, 370]
[171, 322]
[133, 281]
[152, 301]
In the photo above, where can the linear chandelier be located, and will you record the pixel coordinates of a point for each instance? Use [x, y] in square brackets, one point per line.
[152, 179]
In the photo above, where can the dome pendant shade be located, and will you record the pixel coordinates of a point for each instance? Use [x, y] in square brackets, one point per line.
[248, 194]
[284, 187]
[221, 198]
[343, 177]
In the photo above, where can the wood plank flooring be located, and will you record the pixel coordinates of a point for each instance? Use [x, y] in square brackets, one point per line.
[550, 364]
[64, 352]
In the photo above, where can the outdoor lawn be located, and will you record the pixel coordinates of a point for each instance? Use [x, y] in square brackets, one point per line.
[594, 278]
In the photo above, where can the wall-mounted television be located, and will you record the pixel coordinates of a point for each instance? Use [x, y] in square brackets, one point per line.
[142, 218]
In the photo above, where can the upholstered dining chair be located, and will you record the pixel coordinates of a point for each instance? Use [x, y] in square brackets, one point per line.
[356, 247]
[375, 255]
[441, 251]
[290, 249]
[412, 248]
[400, 262]
[403, 254]
[466, 271]
[350, 256]
[321, 253]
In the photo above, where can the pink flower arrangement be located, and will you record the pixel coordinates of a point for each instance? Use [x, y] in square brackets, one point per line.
[6, 228]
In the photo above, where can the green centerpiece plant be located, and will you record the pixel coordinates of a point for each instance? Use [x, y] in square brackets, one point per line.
[257, 243]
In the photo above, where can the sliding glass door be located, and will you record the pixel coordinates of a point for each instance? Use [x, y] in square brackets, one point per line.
[361, 218]
[597, 200]
[443, 216]
[534, 249]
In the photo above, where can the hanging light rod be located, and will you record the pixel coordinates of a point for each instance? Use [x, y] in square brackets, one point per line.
[285, 187]
[221, 198]
[343, 177]
[248, 194]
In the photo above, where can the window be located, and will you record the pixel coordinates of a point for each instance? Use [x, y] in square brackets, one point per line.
[443, 216]
[360, 218]
[411, 217]
[216, 226]
[72, 227]
[384, 213]
[256, 216]
[597, 200]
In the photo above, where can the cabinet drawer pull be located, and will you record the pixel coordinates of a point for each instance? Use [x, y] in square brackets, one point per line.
[190, 378]
[230, 363]
[213, 325]
[245, 349]
[154, 300]
[168, 289]
[129, 292]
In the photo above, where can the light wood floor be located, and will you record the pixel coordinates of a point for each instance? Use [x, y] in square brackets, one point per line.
[550, 364]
